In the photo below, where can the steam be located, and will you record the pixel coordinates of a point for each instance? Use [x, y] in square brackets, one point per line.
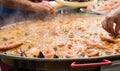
[25, 18]
[22, 16]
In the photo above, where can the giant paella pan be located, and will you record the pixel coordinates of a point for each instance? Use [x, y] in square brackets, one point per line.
[58, 42]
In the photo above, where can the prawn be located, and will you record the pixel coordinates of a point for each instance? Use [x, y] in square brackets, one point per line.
[94, 44]
[91, 43]
[103, 8]
[10, 46]
[108, 39]
[110, 51]
[49, 53]
[69, 54]
[92, 52]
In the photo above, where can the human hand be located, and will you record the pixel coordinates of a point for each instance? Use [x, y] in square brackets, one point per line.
[43, 6]
[28, 5]
[111, 23]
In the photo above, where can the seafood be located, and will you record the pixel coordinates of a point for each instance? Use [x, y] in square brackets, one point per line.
[60, 37]
[106, 7]
[49, 53]
[108, 39]
[10, 46]
[91, 43]
[69, 54]
[110, 51]
[95, 44]
[92, 52]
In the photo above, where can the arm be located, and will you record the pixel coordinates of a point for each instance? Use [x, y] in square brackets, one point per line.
[17, 4]
[27, 5]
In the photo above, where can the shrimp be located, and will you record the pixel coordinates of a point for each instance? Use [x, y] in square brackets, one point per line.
[107, 7]
[91, 52]
[105, 11]
[113, 3]
[49, 53]
[103, 8]
[91, 43]
[95, 44]
[110, 51]
[108, 39]
[69, 54]
[115, 6]
[10, 46]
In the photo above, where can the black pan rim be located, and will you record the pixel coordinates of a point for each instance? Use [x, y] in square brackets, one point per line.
[2, 56]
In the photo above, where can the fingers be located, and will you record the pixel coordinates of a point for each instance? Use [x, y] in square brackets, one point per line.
[112, 22]
[117, 27]
[43, 7]
[104, 24]
[111, 25]
[108, 24]
[48, 7]
[45, 3]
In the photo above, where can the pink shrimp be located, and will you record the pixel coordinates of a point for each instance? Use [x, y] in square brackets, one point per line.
[110, 51]
[92, 52]
[112, 3]
[10, 46]
[116, 6]
[94, 44]
[49, 53]
[69, 54]
[108, 39]
[103, 8]
[91, 43]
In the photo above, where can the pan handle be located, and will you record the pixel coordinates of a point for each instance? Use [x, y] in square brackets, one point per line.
[104, 62]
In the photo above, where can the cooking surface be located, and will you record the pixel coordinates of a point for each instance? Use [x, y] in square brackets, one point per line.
[60, 37]
[63, 37]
